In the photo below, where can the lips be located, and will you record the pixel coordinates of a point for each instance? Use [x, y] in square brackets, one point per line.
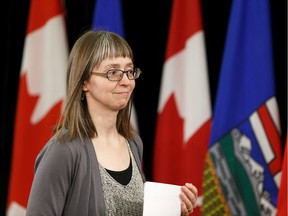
[123, 94]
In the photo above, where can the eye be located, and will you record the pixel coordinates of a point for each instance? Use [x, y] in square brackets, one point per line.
[112, 72]
[131, 71]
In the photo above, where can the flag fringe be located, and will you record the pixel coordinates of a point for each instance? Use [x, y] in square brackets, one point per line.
[213, 198]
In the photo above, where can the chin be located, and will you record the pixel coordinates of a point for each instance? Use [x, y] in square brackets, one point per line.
[121, 106]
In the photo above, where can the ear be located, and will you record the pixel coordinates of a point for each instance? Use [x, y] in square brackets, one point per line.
[84, 86]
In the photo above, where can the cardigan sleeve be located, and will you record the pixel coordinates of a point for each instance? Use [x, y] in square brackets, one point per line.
[53, 176]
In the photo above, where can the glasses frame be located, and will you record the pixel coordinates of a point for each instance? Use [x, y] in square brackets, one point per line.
[105, 75]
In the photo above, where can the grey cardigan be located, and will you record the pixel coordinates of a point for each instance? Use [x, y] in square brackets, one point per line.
[67, 181]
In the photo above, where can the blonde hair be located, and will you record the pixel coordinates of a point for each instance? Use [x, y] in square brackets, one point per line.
[89, 51]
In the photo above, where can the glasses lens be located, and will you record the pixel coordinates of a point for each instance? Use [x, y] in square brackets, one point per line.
[114, 75]
[131, 74]
[136, 73]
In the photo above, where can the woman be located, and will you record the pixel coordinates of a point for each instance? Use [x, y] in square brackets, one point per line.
[92, 165]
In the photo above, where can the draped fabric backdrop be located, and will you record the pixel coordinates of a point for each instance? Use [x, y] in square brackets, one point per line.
[146, 29]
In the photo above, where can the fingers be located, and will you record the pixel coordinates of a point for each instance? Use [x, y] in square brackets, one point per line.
[184, 210]
[188, 197]
[191, 192]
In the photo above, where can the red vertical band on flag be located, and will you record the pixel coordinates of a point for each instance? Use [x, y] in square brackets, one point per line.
[41, 12]
[186, 20]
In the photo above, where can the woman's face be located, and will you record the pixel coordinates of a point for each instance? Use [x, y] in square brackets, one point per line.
[102, 93]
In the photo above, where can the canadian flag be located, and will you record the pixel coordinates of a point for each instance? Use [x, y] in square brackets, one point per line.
[184, 109]
[41, 92]
[283, 195]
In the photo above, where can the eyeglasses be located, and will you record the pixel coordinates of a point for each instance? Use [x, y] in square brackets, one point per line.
[116, 74]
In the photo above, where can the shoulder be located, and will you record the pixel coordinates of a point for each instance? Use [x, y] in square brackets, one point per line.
[62, 148]
[136, 145]
[138, 142]
[65, 153]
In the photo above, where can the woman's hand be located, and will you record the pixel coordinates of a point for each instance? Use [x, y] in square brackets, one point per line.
[188, 198]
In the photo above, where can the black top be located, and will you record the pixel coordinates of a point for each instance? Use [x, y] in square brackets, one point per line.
[124, 176]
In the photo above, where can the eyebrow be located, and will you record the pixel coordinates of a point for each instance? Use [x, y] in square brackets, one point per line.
[117, 65]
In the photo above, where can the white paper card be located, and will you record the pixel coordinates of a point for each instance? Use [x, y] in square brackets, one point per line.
[161, 199]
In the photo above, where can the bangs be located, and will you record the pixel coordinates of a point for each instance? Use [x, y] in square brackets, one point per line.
[113, 47]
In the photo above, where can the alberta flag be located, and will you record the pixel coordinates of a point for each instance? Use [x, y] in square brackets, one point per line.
[41, 93]
[243, 166]
[108, 16]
